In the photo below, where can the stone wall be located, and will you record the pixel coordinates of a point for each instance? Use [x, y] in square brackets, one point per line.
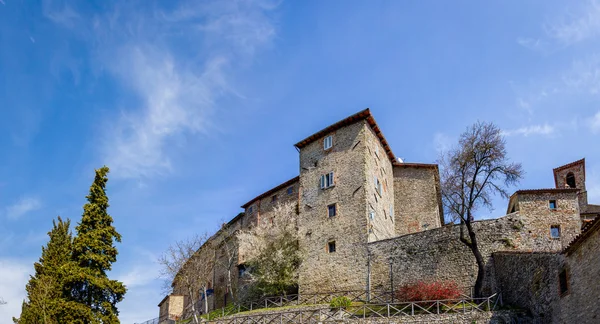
[417, 205]
[540, 218]
[530, 281]
[580, 304]
[438, 254]
[379, 203]
[344, 268]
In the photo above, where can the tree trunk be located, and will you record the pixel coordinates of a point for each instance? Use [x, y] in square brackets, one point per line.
[474, 246]
[192, 300]
[229, 283]
[205, 301]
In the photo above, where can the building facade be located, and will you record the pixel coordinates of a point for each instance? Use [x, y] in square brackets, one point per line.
[360, 209]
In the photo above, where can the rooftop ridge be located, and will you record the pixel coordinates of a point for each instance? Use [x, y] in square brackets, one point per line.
[361, 115]
[587, 230]
[272, 190]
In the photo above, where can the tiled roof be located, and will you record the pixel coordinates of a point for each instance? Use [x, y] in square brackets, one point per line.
[587, 230]
[267, 193]
[545, 190]
[415, 165]
[361, 115]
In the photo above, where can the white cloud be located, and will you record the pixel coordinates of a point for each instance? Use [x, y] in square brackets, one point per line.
[544, 129]
[442, 142]
[595, 123]
[178, 92]
[578, 26]
[14, 275]
[22, 207]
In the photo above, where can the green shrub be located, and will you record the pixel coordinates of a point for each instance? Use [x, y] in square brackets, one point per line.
[340, 302]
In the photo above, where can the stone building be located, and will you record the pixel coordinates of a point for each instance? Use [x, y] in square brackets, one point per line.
[360, 209]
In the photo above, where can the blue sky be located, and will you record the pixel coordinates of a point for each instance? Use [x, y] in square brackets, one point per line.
[195, 106]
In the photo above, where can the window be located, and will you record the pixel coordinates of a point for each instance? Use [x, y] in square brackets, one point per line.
[571, 180]
[371, 215]
[377, 150]
[331, 247]
[392, 212]
[552, 204]
[331, 210]
[555, 231]
[377, 185]
[290, 190]
[327, 180]
[328, 142]
[241, 270]
[250, 209]
[274, 198]
[563, 282]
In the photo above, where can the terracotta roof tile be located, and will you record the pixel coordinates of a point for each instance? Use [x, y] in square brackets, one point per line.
[586, 231]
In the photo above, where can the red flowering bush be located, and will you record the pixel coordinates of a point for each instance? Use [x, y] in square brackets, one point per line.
[421, 291]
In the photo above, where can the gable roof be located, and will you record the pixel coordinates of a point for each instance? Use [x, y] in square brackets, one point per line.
[589, 229]
[361, 115]
[566, 166]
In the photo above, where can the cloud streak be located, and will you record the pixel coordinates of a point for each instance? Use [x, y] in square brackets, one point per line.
[22, 207]
[177, 87]
[544, 130]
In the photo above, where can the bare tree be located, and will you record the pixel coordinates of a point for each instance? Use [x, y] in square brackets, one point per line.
[472, 173]
[187, 267]
[272, 251]
[229, 246]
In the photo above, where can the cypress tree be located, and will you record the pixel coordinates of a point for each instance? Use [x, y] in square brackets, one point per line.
[93, 254]
[45, 293]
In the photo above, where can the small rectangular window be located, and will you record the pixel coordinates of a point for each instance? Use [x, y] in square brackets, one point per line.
[290, 190]
[555, 231]
[552, 204]
[563, 281]
[274, 198]
[372, 215]
[241, 270]
[331, 247]
[331, 210]
[328, 142]
[250, 209]
[377, 185]
[392, 211]
[327, 180]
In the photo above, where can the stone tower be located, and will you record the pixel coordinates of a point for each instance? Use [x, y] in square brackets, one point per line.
[572, 175]
[346, 200]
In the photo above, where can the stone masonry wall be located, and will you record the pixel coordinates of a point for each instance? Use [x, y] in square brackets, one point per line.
[530, 281]
[540, 218]
[580, 305]
[438, 254]
[380, 204]
[344, 268]
[416, 200]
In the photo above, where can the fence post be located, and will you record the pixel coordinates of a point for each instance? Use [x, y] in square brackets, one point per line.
[438, 307]
[266, 302]
[223, 312]
[488, 302]
[388, 309]
[412, 309]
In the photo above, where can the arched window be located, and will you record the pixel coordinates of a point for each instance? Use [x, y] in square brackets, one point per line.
[571, 180]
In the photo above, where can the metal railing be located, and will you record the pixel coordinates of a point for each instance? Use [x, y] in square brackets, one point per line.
[356, 296]
[373, 310]
[152, 321]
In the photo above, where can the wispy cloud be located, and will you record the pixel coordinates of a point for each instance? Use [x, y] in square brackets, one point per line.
[578, 26]
[442, 142]
[22, 207]
[594, 123]
[544, 130]
[177, 78]
[13, 278]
